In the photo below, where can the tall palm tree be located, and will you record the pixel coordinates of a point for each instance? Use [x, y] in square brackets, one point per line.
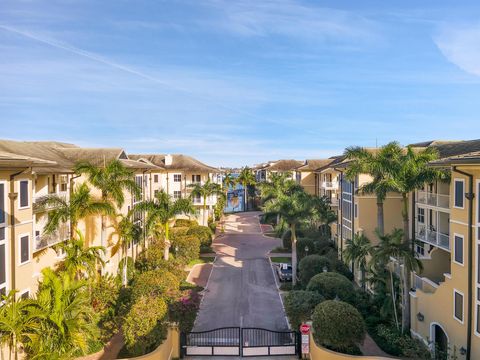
[112, 179]
[128, 232]
[246, 178]
[228, 182]
[161, 211]
[67, 325]
[293, 209]
[380, 165]
[81, 205]
[19, 322]
[392, 246]
[209, 188]
[323, 215]
[356, 251]
[79, 259]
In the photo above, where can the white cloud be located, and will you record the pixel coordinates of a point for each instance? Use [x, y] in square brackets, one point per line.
[461, 46]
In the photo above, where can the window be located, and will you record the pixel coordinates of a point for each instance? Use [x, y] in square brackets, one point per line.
[197, 199]
[458, 249]
[459, 193]
[177, 177]
[196, 178]
[24, 249]
[421, 215]
[25, 294]
[458, 305]
[155, 178]
[63, 183]
[23, 194]
[177, 194]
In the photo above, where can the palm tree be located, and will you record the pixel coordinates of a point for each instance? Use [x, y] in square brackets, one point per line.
[228, 182]
[19, 322]
[209, 188]
[392, 246]
[128, 231]
[80, 259]
[293, 209]
[81, 205]
[246, 178]
[356, 251]
[113, 179]
[380, 165]
[67, 325]
[323, 215]
[161, 211]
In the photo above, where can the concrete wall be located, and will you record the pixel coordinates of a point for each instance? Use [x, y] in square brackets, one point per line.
[169, 349]
[320, 353]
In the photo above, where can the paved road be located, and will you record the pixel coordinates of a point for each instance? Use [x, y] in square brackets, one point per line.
[241, 290]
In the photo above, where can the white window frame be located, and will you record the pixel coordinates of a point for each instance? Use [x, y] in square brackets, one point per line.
[455, 235]
[6, 284]
[418, 214]
[455, 291]
[4, 224]
[455, 193]
[20, 236]
[23, 292]
[175, 196]
[156, 178]
[177, 175]
[28, 195]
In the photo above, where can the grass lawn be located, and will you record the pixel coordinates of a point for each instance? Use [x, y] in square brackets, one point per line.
[202, 260]
[281, 259]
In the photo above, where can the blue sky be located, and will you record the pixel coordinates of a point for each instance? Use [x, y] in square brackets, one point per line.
[239, 82]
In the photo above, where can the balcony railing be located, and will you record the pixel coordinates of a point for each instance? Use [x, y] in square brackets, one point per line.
[330, 185]
[37, 197]
[433, 237]
[433, 199]
[425, 284]
[46, 240]
[334, 201]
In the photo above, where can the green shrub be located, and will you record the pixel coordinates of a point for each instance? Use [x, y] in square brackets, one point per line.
[105, 294]
[176, 232]
[393, 342]
[310, 266]
[203, 233]
[213, 227]
[155, 283]
[322, 247]
[184, 310]
[145, 325]
[299, 305]
[341, 268]
[152, 259]
[337, 325]
[130, 268]
[185, 223]
[186, 248]
[331, 285]
[302, 245]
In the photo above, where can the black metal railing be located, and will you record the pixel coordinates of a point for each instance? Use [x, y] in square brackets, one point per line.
[228, 336]
[254, 337]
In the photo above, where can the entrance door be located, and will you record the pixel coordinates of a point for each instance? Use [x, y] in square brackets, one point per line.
[441, 343]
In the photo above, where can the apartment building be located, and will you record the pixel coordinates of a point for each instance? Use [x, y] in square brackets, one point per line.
[177, 173]
[307, 176]
[28, 172]
[263, 171]
[445, 298]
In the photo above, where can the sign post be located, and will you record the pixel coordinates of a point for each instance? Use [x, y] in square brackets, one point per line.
[305, 331]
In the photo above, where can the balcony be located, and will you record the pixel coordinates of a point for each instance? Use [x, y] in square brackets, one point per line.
[334, 202]
[424, 284]
[39, 196]
[330, 185]
[46, 240]
[433, 237]
[433, 199]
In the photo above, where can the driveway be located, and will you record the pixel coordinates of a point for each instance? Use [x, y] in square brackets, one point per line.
[241, 290]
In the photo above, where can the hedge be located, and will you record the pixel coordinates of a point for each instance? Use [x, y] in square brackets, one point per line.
[157, 283]
[312, 265]
[338, 325]
[185, 223]
[299, 305]
[302, 244]
[186, 248]
[332, 285]
[145, 325]
[203, 233]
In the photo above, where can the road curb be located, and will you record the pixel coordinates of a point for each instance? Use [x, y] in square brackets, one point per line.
[278, 292]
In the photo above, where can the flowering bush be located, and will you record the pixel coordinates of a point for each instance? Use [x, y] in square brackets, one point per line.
[184, 309]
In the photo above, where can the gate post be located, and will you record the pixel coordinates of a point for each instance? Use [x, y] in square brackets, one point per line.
[298, 335]
[240, 339]
[183, 338]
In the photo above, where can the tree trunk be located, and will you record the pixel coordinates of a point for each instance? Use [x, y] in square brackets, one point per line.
[363, 277]
[294, 254]
[393, 299]
[406, 300]
[205, 220]
[380, 219]
[125, 266]
[245, 200]
[406, 225]
[166, 249]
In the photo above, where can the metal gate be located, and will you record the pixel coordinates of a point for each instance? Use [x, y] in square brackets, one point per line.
[236, 341]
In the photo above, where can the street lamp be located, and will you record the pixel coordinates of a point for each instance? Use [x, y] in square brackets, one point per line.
[306, 250]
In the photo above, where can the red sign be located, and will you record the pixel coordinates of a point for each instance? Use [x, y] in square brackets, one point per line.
[305, 329]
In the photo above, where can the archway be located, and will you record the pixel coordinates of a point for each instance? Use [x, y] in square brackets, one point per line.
[439, 341]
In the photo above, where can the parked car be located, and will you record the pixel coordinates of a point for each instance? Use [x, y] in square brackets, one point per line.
[284, 272]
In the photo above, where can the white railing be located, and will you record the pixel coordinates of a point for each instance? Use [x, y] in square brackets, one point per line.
[334, 201]
[433, 237]
[330, 185]
[433, 199]
[417, 282]
[424, 284]
[45, 240]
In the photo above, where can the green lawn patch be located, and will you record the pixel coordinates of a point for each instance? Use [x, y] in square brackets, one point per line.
[281, 259]
[202, 260]
[280, 249]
